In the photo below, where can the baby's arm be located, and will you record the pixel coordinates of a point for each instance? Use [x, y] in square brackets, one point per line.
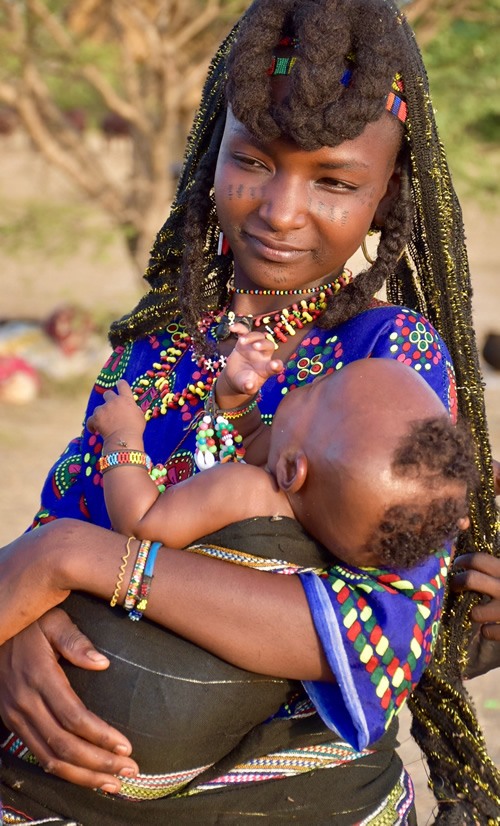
[129, 491]
[184, 512]
[200, 505]
[247, 368]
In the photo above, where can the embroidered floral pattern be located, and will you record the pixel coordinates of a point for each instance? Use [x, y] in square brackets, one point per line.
[414, 342]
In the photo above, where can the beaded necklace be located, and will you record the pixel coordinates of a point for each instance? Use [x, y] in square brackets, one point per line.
[304, 291]
[279, 326]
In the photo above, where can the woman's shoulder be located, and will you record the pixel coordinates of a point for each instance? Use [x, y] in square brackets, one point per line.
[401, 333]
[405, 332]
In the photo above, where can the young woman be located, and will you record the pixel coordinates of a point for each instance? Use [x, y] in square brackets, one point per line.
[315, 128]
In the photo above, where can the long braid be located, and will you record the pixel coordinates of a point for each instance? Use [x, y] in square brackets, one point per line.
[161, 302]
[464, 779]
[197, 267]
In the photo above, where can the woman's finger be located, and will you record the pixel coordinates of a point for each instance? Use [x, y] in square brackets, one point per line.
[69, 642]
[477, 572]
[491, 632]
[38, 703]
[487, 612]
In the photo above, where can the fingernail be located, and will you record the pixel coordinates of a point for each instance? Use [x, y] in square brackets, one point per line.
[96, 657]
[127, 772]
[121, 748]
[110, 788]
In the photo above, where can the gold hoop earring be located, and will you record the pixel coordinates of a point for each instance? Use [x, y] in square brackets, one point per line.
[364, 250]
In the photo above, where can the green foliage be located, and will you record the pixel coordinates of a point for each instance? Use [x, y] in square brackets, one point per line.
[464, 73]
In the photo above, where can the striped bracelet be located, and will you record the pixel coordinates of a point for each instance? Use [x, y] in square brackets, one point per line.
[145, 586]
[136, 578]
[239, 412]
[125, 457]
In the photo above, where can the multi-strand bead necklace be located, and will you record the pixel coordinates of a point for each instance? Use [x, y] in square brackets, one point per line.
[278, 326]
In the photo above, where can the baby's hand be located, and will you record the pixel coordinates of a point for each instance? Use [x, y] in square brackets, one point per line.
[119, 417]
[251, 361]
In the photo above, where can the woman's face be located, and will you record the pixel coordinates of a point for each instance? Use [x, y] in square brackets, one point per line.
[293, 217]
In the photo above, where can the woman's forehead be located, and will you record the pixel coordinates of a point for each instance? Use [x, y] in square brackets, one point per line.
[381, 136]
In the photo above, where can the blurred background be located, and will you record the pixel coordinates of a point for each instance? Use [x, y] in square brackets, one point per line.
[96, 100]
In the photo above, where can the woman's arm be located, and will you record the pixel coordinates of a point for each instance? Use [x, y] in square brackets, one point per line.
[254, 620]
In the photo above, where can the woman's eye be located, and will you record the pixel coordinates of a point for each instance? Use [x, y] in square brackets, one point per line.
[335, 184]
[247, 161]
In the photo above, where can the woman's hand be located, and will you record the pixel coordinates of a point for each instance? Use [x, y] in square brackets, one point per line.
[481, 573]
[38, 703]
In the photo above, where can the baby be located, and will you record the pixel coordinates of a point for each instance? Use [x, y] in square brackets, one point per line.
[366, 459]
[363, 464]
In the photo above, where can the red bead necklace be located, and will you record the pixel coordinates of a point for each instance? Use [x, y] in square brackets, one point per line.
[278, 325]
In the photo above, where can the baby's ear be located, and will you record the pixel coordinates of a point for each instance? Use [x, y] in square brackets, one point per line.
[463, 523]
[291, 471]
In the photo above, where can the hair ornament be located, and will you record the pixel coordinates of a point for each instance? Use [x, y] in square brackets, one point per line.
[282, 66]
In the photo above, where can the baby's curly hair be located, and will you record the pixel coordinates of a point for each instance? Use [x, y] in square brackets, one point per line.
[434, 452]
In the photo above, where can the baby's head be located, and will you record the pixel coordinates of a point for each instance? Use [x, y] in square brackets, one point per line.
[372, 464]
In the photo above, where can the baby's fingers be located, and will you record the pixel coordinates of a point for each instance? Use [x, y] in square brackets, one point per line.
[276, 366]
[124, 389]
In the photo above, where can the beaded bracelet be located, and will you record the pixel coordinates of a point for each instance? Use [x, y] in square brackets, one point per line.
[136, 613]
[121, 573]
[136, 578]
[238, 412]
[124, 457]
[233, 413]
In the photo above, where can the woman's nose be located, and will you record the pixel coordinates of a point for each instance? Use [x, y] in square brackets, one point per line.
[284, 204]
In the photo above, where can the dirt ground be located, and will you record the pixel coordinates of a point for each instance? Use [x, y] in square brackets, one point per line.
[32, 435]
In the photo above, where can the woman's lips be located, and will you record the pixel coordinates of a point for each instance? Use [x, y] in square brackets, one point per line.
[274, 250]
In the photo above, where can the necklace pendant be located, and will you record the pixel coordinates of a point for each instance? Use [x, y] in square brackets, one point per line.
[223, 329]
[246, 320]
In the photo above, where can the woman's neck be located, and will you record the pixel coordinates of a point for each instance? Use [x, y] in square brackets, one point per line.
[255, 302]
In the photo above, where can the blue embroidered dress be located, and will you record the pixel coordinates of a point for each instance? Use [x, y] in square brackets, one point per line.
[376, 627]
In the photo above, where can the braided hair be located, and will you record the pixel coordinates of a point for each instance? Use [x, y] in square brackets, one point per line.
[421, 258]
